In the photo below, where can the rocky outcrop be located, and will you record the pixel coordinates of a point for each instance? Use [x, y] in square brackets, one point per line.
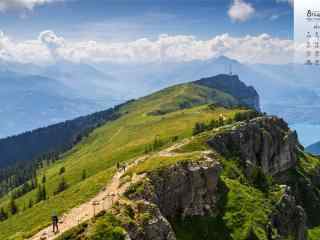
[265, 142]
[145, 222]
[185, 189]
[289, 218]
[190, 188]
[305, 187]
[231, 84]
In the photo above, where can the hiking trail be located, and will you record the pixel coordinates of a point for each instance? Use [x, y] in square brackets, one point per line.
[102, 201]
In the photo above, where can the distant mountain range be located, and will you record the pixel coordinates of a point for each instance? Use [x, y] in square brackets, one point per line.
[33, 101]
[219, 90]
[290, 91]
[34, 96]
[314, 148]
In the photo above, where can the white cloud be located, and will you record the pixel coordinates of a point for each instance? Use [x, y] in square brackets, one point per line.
[50, 39]
[31, 51]
[52, 42]
[22, 4]
[49, 47]
[240, 11]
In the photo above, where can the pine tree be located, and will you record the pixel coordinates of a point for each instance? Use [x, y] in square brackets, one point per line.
[199, 128]
[44, 178]
[221, 121]
[13, 208]
[213, 124]
[34, 181]
[62, 170]
[62, 186]
[84, 174]
[3, 214]
[41, 193]
[30, 203]
[44, 193]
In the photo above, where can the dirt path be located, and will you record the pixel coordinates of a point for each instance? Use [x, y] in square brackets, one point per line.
[169, 152]
[115, 134]
[102, 201]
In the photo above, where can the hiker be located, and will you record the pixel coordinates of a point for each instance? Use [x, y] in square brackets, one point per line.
[55, 221]
[118, 166]
[123, 167]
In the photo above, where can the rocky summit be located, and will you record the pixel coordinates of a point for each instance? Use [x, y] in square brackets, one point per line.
[265, 142]
[232, 85]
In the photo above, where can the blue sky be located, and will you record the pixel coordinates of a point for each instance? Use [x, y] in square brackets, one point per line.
[135, 31]
[128, 19]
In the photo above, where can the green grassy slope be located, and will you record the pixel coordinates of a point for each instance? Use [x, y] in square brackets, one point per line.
[117, 141]
[244, 204]
[243, 208]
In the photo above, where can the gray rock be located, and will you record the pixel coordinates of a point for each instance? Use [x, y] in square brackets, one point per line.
[155, 228]
[264, 142]
[185, 189]
[289, 218]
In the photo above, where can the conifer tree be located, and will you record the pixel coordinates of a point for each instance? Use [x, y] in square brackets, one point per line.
[44, 192]
[62, 170]
[30, 203]
[61, 186]
[3, 214]
[13, 208]
[44, 179]
[84, 174]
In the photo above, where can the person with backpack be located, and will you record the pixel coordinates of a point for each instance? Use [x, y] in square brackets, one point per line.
[55, 221]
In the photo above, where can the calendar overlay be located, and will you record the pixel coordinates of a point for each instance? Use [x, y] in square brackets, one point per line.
[307, 32]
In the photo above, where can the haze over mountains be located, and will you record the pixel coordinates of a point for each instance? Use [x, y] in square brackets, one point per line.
[34, 96]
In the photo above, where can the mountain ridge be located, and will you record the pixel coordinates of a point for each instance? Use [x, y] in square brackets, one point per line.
[199, 165]
[232, 85]
[134, 134]
[297, 102]
[184, 100]
[33, 101]
[314, 148]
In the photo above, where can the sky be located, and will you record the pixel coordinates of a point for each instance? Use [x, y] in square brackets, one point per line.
[42, 31]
